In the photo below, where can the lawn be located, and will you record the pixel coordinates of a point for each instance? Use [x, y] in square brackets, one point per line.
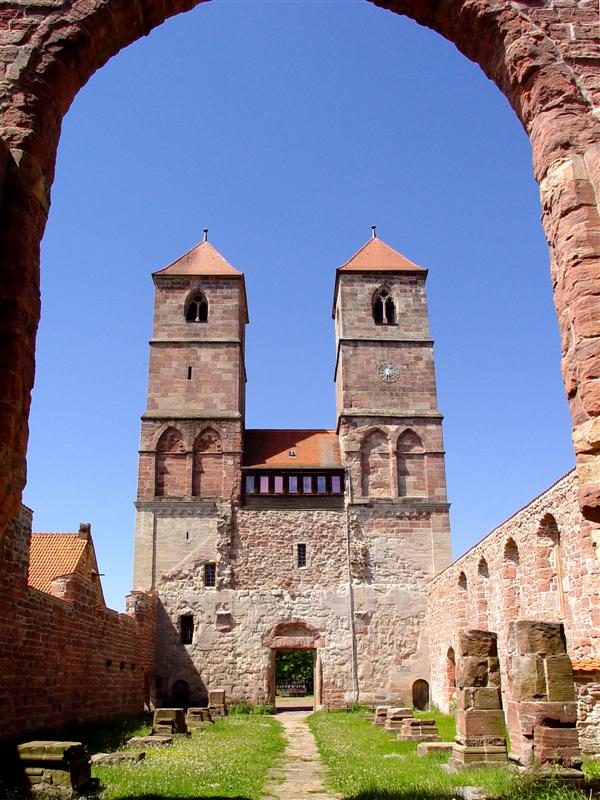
[366, 762]
[228, 759]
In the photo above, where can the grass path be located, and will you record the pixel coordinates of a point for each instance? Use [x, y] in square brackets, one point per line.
[300, 774]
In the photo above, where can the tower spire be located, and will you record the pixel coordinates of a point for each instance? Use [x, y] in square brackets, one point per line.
[205, 237]
[373, 231]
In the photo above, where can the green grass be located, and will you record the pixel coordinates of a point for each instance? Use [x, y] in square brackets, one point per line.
[355, 752]
[228, 759]
[102, 736]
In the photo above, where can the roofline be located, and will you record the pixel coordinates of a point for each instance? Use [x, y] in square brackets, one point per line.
[501, 524]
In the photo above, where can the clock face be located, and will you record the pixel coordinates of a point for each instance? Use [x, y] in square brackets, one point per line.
[389, 372]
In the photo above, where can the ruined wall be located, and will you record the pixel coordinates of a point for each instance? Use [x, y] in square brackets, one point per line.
[64, 657]
[259, 586]
[540, 565]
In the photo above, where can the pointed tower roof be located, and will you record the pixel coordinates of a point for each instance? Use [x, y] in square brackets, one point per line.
[377, 256]
[203, 259]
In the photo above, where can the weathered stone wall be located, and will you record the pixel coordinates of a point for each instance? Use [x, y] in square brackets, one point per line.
[260, 586]
[65, 657]
[540, 565]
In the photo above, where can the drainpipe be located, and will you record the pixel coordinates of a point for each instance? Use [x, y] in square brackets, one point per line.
[347, 501]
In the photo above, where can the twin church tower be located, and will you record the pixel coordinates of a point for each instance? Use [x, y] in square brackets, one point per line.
[258, 541]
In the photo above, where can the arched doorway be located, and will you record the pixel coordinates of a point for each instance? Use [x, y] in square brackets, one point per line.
[420, 694]
[303, 640]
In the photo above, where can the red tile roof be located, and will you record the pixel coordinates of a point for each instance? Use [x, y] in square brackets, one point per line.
[271, 448]
[377, 256]
[52, 555]
[203, 259]
[586, 665]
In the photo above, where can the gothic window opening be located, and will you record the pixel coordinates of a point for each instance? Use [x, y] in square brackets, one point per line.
[410, 455]
[186, 628]
[511, 574]
[210, 575]
[197, 309]
[301, 554]
[550, 587]
[384, 308]
[170, 472]
[375, 465]
[207, 472]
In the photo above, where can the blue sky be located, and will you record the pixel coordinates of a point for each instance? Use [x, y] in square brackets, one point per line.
[288, 128]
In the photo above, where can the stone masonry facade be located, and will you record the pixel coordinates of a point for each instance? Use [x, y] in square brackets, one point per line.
[64, 656]
[538, 565]
[325, 542]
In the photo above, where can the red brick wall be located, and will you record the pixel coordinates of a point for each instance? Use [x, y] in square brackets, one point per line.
[55, 649]
[519, 572]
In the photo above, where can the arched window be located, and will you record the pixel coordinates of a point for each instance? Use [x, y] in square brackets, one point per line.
[483, 575]
[462, 602]
[170, 469]
[549, 570]
[384, 308]
[197, 308]
[411, 466]
[207, 480]
[511, 575]
[375, 465]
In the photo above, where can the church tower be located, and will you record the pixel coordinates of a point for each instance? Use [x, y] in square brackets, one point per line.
[388, 421]
[191, 439]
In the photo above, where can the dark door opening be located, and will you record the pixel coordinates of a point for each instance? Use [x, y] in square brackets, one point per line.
[294, 679]
[420, 693]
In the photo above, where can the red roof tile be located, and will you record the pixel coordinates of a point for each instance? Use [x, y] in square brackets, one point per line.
[52, 555]
[203, 259]
[377, 256]
[271, 448]
[586, 665]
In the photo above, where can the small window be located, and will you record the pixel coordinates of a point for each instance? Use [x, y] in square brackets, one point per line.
[384, 308]
[293, 484]
[278, 481]
[321, 484]
[197, 310]
[307, 484]
[336, 484]
[210, 574]
[189, 373]
[250, 484]
[186, 629]
[301, 554]
[264, 484]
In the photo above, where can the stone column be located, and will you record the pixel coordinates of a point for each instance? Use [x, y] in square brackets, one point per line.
[480, 735]
[542, 710]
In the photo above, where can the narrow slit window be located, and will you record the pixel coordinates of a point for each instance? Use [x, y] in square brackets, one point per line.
[278, 480]
[250, 484]
[301, 554]
[293, 484]
[189, 374]
[264, 484]
[210, 574]
[186, 628]
[336, 484]
[321, 484]
[307, 484]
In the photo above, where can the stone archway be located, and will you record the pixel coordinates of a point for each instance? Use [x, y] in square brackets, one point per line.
[294, 635]
[541, 56]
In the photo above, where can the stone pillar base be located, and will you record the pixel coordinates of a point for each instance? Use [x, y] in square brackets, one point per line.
[472, 757]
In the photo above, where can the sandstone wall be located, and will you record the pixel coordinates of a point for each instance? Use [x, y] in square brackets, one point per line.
[65, 657]
[260, 586]
[539, 564]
